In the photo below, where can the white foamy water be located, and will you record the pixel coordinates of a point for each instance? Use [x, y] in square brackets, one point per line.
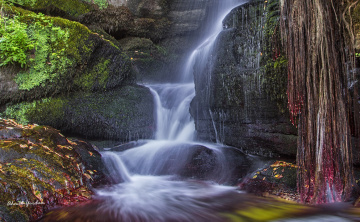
[155, 179]
[149, 198]
[172, 109]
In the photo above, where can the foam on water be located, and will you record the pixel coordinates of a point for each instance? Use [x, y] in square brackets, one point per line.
[149, 198]
[149, 186]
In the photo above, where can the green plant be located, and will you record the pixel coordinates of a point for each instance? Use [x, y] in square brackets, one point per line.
[32, 41]
[274, 61]
[23, 2]
[14, 42]
[19, 111]
[357, 54]
[101, 3]
[48, 109]
[49, 58]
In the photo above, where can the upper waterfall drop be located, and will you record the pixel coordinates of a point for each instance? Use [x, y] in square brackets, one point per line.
[172, 101]
[200, 55]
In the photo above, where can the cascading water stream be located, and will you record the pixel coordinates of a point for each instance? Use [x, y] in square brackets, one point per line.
[154, 184]
[173, 119]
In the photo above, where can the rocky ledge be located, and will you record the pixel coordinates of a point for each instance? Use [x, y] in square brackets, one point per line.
[41, 169]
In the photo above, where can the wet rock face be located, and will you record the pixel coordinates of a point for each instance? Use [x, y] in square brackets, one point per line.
[167, 28]
[230, 104]
[121, 22]
[124, 114]
[204, 164]
[41, 169]
[187, 16]
[7, 85]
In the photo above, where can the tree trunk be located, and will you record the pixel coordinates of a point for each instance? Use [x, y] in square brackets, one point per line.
[319, 97]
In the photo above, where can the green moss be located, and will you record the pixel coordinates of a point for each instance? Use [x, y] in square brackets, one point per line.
[77, 44]
[59, 43]
[64, 50]
[71, 7]
[100, 3]
[268, 211]
[8, 214]
[48, 60]
[19, 111]
[36, 168]
[98, 76]
[78, 33]
[51, 109]
[274, 61]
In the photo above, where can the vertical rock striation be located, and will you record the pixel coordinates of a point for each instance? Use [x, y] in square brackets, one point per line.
[231, 105]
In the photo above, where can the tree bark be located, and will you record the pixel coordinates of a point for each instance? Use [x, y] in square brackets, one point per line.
[318, 96]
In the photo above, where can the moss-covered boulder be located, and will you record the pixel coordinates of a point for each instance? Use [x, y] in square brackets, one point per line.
[123, 114]
[41, 169]
[277, 178]
[60, 57]
[63, 8]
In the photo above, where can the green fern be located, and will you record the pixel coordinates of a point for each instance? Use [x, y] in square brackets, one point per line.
[49, 58]
[14, 42]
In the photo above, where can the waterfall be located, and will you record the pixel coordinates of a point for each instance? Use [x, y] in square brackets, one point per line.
[116, 167]
[154, 176]
[172, 111]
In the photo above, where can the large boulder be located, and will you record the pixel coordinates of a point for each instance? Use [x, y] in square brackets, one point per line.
[66, 79]
[120, 22]
[231, 105]
[123, 114]
[41, 169]
[66, 57]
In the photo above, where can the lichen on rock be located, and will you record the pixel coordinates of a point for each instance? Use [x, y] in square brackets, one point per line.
[41, 169]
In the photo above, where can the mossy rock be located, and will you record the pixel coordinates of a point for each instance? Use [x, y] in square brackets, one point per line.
[41, 169]
[94, 63]
[124, 114]
[278, 178]
[63, 8]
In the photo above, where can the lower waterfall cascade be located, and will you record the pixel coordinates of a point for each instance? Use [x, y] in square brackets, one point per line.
[154, 179]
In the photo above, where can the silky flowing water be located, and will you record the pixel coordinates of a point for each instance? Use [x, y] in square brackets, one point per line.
[151, 186]
[154, 182]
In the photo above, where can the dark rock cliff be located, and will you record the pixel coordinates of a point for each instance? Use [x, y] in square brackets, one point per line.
[231, 105]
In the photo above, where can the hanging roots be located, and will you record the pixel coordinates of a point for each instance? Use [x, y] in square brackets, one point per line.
[319, 62]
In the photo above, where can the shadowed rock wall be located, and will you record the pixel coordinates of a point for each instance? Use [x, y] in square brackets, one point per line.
[231, 106]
